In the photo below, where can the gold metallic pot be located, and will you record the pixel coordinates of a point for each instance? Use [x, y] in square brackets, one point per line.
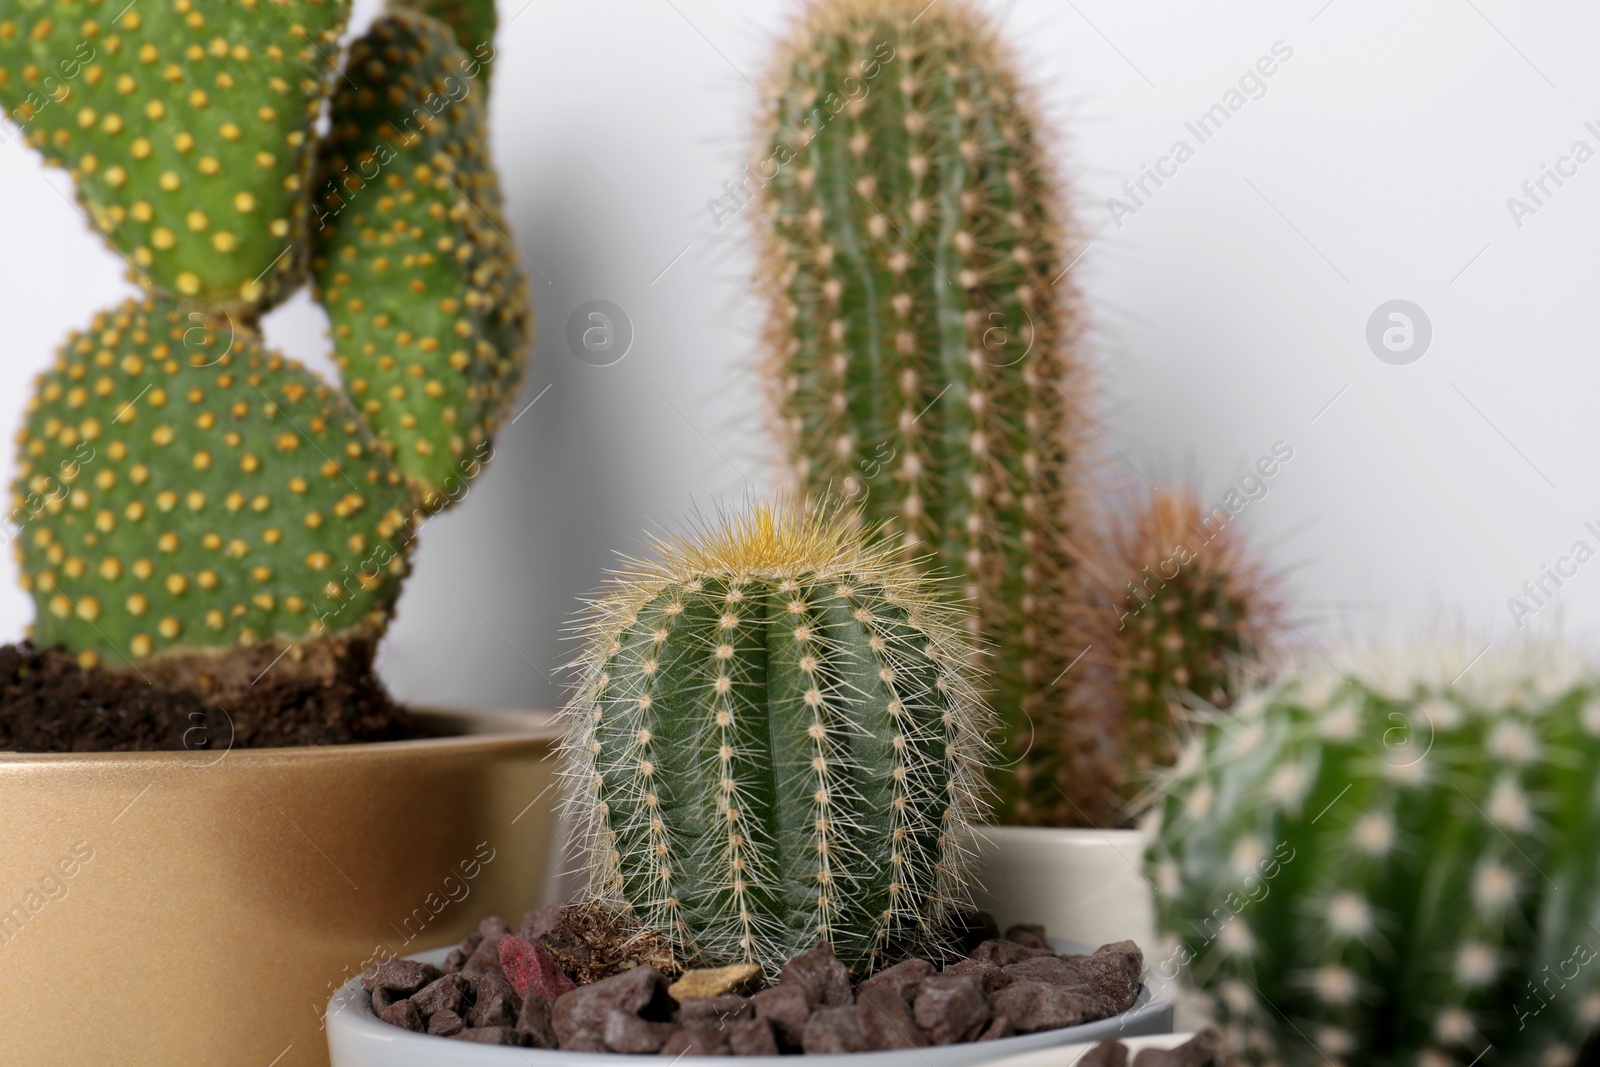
[168, 909]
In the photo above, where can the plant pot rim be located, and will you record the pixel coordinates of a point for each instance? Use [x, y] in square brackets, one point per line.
[367, 1040]
[1069, 1055]
[480, 728]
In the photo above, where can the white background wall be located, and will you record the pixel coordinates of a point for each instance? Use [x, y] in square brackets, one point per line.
[1230, 309]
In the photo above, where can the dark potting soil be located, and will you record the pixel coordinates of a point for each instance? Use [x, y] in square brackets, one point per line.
[50, 704]
[576, 979]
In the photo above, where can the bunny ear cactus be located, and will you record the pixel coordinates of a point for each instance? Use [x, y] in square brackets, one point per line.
[1190, 614]
[1394, 866]
[428, 304]
[193, 506]
[187, 129]
[922, 348]
[774, 740]
[186, 491]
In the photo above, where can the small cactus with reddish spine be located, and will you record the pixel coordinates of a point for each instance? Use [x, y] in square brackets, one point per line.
[773, 740]
[922, 345]
[1191, 615]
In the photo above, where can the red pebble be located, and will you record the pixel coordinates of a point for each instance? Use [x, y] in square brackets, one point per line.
[530, 968]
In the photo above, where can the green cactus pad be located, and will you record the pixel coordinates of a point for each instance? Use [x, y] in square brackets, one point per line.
[186, 127]
[472, 21]
[1393, 865]
[774, 742]
[429, 306]
[921, 348]
[168, 507]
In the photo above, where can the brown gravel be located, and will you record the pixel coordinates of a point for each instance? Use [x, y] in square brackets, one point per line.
[623, 1003]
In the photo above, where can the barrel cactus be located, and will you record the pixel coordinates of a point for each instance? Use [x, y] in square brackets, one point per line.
[923, 356]
[774, 740]
[1394, 864]
[1189, 614]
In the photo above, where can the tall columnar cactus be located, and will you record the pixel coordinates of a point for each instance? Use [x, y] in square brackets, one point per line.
[1188, 613]
[183, 497]
[428, 304]
[923, 343]
[186, 126]
[1397, 865]
[774, 740]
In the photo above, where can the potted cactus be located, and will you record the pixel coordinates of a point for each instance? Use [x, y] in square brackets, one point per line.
[774, 754]
[215, 537]
[1392, 861]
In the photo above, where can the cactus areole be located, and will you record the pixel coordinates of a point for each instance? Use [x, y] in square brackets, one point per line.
[774, 741]
[921, 338]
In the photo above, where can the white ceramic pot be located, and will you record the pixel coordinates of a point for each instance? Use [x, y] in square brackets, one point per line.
[1086, 886]
[1068, 1055]
[357, 1038]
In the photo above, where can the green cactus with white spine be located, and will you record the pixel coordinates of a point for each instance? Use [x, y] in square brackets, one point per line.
[227, 496]
[186, 127]
[774, 740]
[428, 304]
[1392, 865]
[922, 346]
